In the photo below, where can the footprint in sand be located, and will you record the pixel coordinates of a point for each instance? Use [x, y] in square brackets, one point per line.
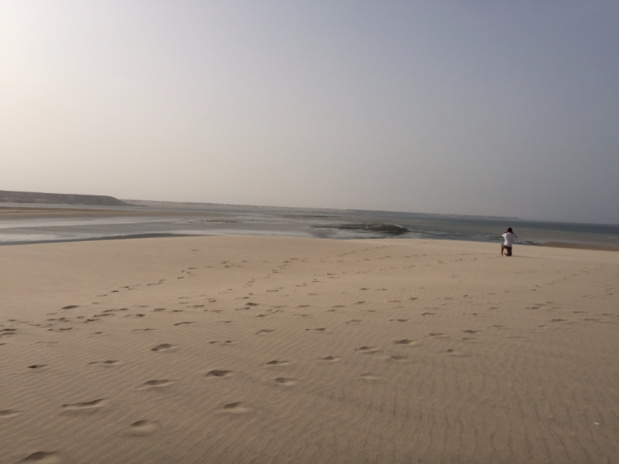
[157, 383]
[218, 373]
[144, 427]
[287, 382]
[405, 342]
[37, 367]
[397, 357]
[367, 349]
[4, 332]
[264, 331]
[42, 457]
[109, 362]
[163, 347]
[331, 358]
[234, 408]
[70, 307]
[277, 362]
[369, 377]
[6, 413]
[457, 354]
[103, 315]
[87, 406]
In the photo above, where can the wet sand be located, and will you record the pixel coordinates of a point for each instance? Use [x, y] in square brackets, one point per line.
[10, 212]
[279, 350]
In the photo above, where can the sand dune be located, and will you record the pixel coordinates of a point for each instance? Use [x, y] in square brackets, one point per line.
[281, 350]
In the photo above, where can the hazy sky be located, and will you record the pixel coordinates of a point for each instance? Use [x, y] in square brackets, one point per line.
[467, 107]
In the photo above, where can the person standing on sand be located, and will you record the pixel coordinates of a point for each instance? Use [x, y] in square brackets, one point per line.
[508, 241]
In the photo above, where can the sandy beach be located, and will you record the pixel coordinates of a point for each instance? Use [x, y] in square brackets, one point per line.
[296, 350]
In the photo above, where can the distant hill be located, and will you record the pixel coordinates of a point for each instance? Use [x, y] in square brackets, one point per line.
[59, 198]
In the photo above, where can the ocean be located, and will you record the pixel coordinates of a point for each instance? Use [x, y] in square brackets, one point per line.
[57, 223]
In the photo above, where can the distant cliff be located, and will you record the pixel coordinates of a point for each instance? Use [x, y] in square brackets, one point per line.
[59, 198]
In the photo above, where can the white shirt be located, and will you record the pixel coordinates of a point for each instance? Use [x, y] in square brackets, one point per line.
[509, 239]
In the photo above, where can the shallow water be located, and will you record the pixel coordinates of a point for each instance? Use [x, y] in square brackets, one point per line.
[206, 219]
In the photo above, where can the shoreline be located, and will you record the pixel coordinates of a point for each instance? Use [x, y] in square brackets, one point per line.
[570, 246]
[579, 246]
[220, 213]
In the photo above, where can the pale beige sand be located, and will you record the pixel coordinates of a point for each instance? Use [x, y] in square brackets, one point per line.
[282, 350]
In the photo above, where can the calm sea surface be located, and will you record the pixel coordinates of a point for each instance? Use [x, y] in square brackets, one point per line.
[146, 219]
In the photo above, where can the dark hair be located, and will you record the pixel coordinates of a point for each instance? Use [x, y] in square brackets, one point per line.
[509, 229]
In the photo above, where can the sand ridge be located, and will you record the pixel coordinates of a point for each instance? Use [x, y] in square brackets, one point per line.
[271, 349]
